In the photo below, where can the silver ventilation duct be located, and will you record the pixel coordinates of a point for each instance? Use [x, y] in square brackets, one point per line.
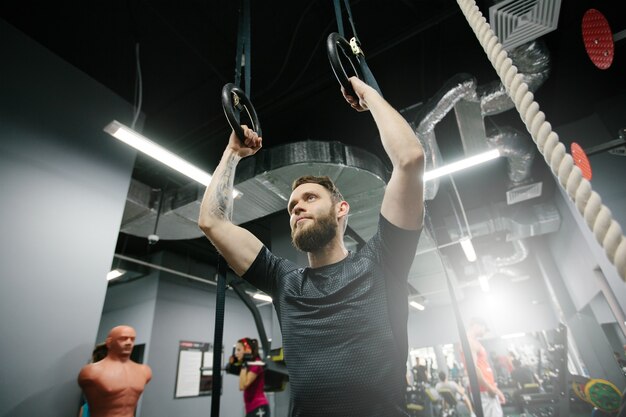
[520, 253]
[532, 60]
[471, 104]
[433, 111]
[518, 149]
[265, 184]
[519, 222]
[506, 265]
[265, 179]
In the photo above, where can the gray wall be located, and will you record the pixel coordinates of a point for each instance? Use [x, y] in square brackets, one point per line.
[608, 169]
[63, 183]
[574, 255]
[131, 304]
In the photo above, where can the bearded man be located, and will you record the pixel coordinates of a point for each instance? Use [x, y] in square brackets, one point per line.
[343, 319]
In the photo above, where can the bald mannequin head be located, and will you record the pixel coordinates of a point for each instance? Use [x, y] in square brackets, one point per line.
[120, 342]
[113, 385]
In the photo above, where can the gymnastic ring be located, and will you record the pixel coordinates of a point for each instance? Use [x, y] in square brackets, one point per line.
[234, 101]
[336, 44]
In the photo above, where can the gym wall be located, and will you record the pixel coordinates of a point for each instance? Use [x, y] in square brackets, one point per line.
[63, 183]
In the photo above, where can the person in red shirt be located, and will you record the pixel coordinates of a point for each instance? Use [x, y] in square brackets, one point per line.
[490, 395]
[251, 378]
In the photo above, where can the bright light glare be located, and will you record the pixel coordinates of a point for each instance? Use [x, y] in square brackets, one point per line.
[145, 145]
[484, 283]
[468, 248]
[262, 297]
[416, 305]
[115, 273]
[462, 164]
[513, 335]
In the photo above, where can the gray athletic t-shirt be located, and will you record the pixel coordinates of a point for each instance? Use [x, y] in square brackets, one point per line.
[344, 326]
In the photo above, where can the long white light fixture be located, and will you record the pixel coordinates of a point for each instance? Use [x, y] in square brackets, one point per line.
[462, 164]
[145, 145]
[115, 273]
[468, 248]
[141, 143]
[416, 305]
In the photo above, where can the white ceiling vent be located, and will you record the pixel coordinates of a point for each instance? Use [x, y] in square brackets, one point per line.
[517, 22]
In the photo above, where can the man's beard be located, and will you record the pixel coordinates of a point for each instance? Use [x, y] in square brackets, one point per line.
[316, 235]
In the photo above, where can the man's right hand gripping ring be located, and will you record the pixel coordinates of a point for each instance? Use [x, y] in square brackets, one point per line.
[234, 101]
[337, 46]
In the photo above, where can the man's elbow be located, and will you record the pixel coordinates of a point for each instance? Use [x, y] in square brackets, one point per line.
[207, 224]
[411, 160]
[204, 225]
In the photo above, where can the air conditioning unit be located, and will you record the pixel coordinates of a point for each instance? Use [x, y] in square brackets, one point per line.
[517, 22]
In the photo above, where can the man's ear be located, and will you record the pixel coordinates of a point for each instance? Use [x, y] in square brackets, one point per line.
[343, 208]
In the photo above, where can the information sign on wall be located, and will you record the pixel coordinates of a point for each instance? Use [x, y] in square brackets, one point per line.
[194, 376]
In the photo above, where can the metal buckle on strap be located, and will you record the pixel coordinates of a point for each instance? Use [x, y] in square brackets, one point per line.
[236, 102]
[356, 48]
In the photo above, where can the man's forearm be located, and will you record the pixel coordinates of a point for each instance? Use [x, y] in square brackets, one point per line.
[217, 203]
[397, 136]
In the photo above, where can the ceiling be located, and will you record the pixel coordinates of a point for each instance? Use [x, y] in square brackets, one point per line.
[187, 53]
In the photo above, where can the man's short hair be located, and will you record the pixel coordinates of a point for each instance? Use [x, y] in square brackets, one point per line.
[324, 181]
[442, 376]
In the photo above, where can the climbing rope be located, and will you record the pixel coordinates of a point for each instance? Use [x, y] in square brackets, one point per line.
[597, 216]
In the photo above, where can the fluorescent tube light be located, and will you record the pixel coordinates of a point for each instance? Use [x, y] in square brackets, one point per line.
[462, 164]
[145, 145]
[416, 305]
[468, 248]
[115, 273]
[150, 148]
[262, 297]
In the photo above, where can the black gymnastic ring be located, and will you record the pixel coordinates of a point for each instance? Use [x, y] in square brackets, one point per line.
[234, 101]
[336, 44]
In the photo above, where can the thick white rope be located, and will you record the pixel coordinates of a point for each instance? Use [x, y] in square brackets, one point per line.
[597, 216]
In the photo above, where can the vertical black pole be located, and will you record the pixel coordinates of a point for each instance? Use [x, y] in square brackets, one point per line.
[216, 390]
[247, 48]
[470, 367]
[465, 345]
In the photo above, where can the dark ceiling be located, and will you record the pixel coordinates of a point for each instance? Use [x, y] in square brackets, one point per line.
[187, 53]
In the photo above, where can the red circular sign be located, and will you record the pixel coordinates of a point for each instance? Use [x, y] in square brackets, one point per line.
[581, 160]
[598, 38]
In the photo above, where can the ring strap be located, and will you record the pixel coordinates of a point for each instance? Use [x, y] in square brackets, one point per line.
[368, 76]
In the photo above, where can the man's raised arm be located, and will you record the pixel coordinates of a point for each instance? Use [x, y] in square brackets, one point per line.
[237, 245]
[403, 203]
